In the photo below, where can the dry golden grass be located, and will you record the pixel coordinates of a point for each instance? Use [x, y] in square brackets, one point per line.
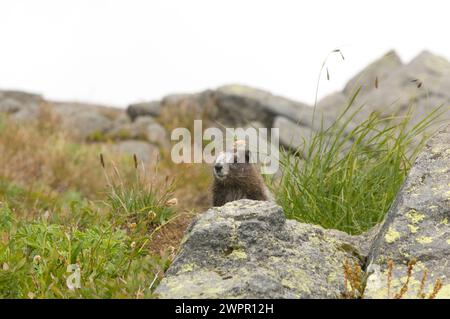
[193, 180]
[355, 282]
[184, 112]
[404, 288]
[44, 159]
[40, 154]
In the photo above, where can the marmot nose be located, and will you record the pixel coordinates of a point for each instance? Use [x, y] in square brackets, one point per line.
[218, 168]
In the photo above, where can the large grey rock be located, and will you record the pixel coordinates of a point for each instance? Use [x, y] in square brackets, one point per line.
[238, 103]
[132, 130]
[422, 84]
[417, 227]
[152, 108]
[380, 69]
[144, 151]
[333, 103]
[85, 120]
[176, 99]
[247, 249]
[155, 133]
[192, 106]
[80, 119]
[20, 106]
[143, 128]
[291, 134]
[296, 136]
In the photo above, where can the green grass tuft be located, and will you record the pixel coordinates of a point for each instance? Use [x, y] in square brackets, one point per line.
[347, 175]
[140, 200]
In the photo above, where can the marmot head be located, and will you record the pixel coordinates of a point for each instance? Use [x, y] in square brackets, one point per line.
[233, 165]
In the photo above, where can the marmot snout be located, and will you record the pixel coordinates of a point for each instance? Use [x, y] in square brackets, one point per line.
[236, 177]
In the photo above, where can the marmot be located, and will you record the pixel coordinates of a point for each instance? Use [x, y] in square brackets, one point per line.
[237, 179]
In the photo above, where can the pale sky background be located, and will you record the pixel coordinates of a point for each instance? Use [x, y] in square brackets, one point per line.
[119, 52]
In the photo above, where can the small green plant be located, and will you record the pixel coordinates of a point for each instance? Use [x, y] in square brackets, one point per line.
[142, 200]
[346, 176]
[59, 208]
[113, 261]
[109, 244]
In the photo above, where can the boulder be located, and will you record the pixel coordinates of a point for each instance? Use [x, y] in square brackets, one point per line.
[376, 71]
[152, 108]
[20, 106]
[291, 134]
[132, 130]
[416, 228]
[144, 151]
[143, 128]
[240, 104]
[198, 105]
[422, 84]
[175, 99]
[85, 121]
[333, 103]
[247, 249]
[199, 100]
[155, 133]
[125, 131]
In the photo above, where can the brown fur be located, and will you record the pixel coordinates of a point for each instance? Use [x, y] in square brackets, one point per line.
[242, 181]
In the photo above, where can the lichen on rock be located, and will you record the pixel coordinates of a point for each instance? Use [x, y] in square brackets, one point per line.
[247, 249]
[417, 227]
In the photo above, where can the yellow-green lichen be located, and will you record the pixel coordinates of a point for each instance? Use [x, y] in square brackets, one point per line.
[444, 292]
[437, 149]
[441, 170]
[299, 280]
[424, 240]
[413, 229]
[238, 254]
[391, 235]
[415, 216]
[377, 284]
[444, 221]
[187, 267]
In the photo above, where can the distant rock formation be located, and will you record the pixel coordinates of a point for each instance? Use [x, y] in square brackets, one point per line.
[388, 87]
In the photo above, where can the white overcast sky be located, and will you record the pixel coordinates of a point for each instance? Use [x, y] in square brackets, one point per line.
[118, 52]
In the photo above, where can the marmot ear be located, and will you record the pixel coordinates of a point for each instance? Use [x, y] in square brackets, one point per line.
[247, 156]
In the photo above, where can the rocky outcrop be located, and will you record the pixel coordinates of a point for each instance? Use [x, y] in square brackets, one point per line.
[388, 86]
[260, 106]
[144, 151]
[374, 74]
[20, 106]
[292, 134]
[84, 120]
[417, 228]
[89, 122]
[152, 108]
[247, 249]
